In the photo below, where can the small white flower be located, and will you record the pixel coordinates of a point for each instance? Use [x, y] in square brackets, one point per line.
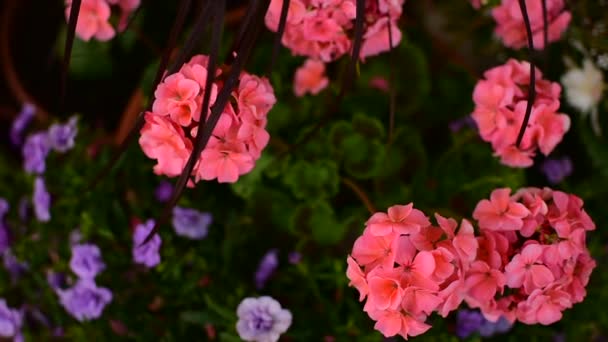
[262, 319]
[584, 88]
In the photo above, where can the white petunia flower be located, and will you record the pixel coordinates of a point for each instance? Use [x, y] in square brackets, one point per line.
[584, 88]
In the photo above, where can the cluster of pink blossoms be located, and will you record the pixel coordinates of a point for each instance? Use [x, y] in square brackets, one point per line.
[500, 106]
[94, 17]
[323, 29]
[409, 268]
[511, 27]
[534, 245]
[237, 140]
[528, 262]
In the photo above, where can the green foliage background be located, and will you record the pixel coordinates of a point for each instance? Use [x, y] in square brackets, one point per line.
[304, 198]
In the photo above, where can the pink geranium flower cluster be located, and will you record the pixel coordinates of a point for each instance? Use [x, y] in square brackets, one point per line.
[94, 17]
[408, 268]
[535, 253]
[500, 106]
[237, 140]
[323, 29]
[527, 262]
[511, 27]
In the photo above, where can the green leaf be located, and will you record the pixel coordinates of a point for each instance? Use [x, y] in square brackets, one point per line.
[317, 179]
[319, 218]
[246, 186]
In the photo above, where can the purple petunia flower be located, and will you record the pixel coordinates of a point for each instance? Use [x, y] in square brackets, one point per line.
[191, 223]
[146, 254]
[163, 192]
[468, 322]
[294, 257]
[266, 268]
[20, 123]
[61, 136]
[14, 266]
[5, 241]
[41, 201]
[488, 328]
[35, 151]
[4, 234]
[24, 209]
[4, 207]
[11, 321]
[85, 301]
[86, 261]
[556, 170]
[56, 280]
[262, 319]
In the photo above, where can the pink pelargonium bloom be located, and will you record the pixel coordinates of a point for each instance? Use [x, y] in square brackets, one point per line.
[420, 301]
[465, 243]
[511, 27]
[385, 292]
[163, 140]
[550, 129]
[371, 251]
[177, 97]
[417, 269]
[257, 92]
[357, 278]
[544, 306]
[393, 322]
[93, 20]
[401, 219]
[295, 13]
[376, 38]
[500, 213]
[224, 161]
[482, 283]
[310, 78]
[526, 268]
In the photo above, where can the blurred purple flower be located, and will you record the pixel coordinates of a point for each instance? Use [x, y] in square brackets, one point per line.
[5, 241]
[266, 268]
[39, 316]
[4, 207]
[34, 151]
[191, 223]
[468, 322]
[24, 208]
[262, 319]
[461, 123]
[61, 136]
[11, 321]
[41, 200]
[20, 123]
[294, 257]
[14, 266]
[85, 301]
[56, 280]
[86, 261]
[163, 192]
[488, 328]
[146, 254]
[4, 234]
[75, 237]
[557, 169]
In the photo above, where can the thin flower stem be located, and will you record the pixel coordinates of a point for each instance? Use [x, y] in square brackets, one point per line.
[545, 23]
[67, 53]
[532, 86]
[279, 35]
[360, 193]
